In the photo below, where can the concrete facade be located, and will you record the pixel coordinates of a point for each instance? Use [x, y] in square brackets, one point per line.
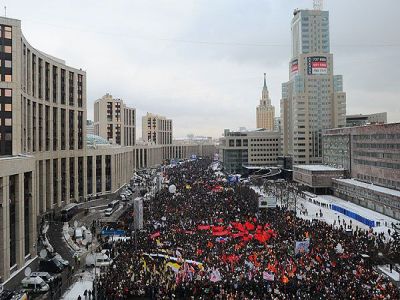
[380, 199]
[249, 148]
[265, 112]
[316, 177]
[156, 129]
[43, 115]
[370, 153]
[313, 99]
[114, 121]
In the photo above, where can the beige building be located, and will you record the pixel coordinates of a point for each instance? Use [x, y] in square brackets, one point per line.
[313, 99]
[265, 112]
[156, 129]
[238, 149]
[46, 158]
[114, 121]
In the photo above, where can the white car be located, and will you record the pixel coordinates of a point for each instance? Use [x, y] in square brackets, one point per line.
[34, 284]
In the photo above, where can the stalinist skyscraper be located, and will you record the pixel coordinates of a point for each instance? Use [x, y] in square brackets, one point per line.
[313, 99]
[265, 111]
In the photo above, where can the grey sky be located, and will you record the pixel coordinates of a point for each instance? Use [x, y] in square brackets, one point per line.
[201, 62]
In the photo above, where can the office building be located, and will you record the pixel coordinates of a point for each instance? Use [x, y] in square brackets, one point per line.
[370, 153]
[359, 120]
[240, 149]
[156, 129]
[367, 163]
[114, 121]
[46, 158]
[313, 99]
[265, 112]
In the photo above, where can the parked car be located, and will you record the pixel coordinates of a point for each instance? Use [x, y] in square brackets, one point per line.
[64, 262]
[51, 265]
[44, 275]
[34, 285]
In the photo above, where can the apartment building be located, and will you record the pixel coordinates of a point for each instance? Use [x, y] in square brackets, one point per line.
[114, 121]
[156, 129]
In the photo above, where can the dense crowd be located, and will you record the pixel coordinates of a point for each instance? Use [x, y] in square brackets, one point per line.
[209, 240]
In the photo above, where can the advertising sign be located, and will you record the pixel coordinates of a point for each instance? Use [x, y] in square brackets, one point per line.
[317, 65]
[267, 201]
[294, 68]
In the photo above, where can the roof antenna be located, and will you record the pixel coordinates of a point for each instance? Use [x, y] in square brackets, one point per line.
[318, 4]
[5, 11]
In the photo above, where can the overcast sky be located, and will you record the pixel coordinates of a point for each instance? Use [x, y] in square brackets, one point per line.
[201, 62]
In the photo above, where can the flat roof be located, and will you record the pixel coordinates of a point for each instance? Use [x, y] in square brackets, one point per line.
[370, 186]
[317, 168]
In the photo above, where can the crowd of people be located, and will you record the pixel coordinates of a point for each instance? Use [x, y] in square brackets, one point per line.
[209, 240]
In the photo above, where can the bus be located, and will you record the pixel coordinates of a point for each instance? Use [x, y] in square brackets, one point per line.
[69, 211]
[112, 206]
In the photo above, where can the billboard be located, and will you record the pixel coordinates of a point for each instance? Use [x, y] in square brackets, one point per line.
[267, 201]
[317, 65]
[294, 66]
[138, 213]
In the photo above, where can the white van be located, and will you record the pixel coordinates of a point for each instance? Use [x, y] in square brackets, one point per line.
[98, 260]
[35, 285]
[108, 212]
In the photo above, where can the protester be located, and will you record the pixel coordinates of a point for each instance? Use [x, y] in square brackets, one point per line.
[210, 241]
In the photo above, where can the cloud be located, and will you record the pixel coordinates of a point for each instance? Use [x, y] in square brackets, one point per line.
[201, 62]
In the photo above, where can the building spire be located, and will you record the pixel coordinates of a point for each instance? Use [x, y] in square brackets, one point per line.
[265, 80]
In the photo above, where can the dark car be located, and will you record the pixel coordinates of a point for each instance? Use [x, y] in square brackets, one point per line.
[52, 265]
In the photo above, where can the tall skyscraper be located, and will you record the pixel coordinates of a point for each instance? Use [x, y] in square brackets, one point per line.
[265, 112]
[313, 99]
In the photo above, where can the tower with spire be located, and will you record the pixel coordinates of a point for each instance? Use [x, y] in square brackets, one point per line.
[265, 112]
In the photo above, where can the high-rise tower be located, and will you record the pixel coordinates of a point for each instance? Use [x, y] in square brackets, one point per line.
[313, 99]
[265, 112]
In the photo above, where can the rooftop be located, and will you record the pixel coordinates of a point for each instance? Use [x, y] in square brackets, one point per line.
[370, 186]
[317, 168]
[92, 139]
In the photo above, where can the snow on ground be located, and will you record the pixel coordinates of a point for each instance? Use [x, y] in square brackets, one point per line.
[79, 287]
[322, 203]
[386, 270]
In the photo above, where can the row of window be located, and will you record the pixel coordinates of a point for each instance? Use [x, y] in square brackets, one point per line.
[379, 164]
[378, 136]
[377, 146]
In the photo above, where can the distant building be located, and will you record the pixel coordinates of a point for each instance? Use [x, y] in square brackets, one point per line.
[313, 99]
[370, 153]
[360, 120]
[277, 124]
[156, 129]
[318, 178]
[249, 148]
[367, 159]
[114, 121]
[265, 112]
[89, 127]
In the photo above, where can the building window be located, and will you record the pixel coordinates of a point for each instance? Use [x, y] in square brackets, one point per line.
[7, 32]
